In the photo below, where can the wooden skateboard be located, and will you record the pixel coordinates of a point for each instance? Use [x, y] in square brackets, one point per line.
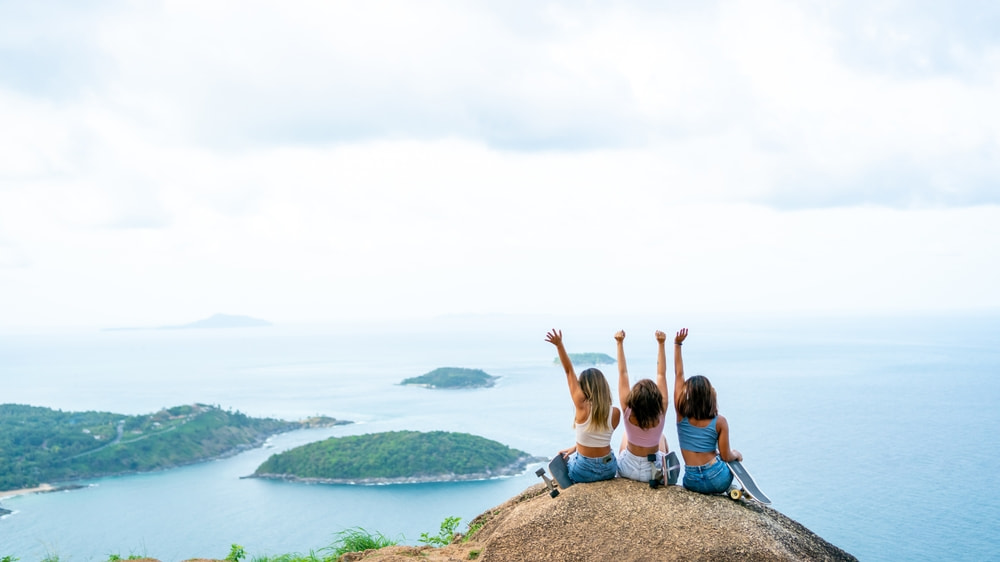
[746, 484]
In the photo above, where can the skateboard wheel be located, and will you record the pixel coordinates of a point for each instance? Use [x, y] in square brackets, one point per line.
[554, 493]
[736, 493]
[540, 472]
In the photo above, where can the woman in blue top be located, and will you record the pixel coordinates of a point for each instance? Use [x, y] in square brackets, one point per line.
[702, 433]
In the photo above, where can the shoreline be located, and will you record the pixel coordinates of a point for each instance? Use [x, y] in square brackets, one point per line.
[515, 469]
[25, 491]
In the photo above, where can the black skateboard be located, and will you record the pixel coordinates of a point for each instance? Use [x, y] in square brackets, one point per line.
[560, 473]
[746, 484]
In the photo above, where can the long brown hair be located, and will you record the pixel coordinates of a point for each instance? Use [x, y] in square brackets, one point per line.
[698, 401]
[595, 389]
[646, 403]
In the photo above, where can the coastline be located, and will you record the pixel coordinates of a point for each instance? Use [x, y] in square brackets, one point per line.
[516, 468]
[25, 491]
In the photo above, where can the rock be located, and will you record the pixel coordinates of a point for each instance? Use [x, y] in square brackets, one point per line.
[625, 520]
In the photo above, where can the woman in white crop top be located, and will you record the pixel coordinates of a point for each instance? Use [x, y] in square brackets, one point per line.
[644, 410]
[591, 458]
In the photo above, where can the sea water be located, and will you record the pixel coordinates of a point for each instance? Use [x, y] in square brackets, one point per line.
[875, 433]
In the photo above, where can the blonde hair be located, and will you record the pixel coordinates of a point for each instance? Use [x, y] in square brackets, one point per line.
[596, 390]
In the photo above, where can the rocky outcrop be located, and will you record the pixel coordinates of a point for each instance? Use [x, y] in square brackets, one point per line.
[625, 520]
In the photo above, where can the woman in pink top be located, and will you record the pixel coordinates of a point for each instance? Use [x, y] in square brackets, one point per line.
[644, 411]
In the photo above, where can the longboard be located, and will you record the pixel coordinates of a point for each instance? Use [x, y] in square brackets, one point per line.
[672, 466]
[746, 482]
[560, 472]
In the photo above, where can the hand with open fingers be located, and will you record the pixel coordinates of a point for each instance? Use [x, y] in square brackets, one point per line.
[660, 336]
[681, 335]
[554, 337]
[620, 336]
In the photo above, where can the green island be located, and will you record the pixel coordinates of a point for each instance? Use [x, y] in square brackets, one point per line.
[589, 359]
[396, 457]
[453, 377]
[44, 445]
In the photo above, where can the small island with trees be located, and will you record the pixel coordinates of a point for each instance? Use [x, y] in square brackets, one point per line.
[589, 359]
[40, 445]
[396, 457]
[453, 377]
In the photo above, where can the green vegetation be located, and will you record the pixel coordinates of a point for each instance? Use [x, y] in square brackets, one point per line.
[355, 539]
[579, 359]
[453, 377]
[358, 540]
[445, 535]
[396, 456]
[44, 445]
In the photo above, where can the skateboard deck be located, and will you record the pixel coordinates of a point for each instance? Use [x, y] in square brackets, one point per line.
[746, 481]
[673, 468]
[560, 472]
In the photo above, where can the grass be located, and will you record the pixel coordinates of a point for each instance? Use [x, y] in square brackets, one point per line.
[355, 539]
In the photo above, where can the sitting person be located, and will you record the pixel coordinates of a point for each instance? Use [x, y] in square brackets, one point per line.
[644, 410]
[591, 458]
[702, 433]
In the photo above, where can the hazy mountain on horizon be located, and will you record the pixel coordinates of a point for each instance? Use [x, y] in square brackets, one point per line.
[221, 321]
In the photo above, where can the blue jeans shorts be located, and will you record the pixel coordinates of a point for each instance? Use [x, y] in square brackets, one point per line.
[588, 469]
[711, 478]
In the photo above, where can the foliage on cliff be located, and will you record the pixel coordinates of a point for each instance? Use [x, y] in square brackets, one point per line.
[44, 445]
[393, 455]
[453, 377]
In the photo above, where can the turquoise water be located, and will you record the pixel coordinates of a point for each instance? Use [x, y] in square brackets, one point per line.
[874, 433]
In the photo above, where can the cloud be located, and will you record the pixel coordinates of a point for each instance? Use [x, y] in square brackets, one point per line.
[374, 158]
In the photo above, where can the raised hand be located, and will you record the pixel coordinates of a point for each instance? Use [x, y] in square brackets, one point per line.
[620, 336]
[681, 335]
[554, 337]
[660, 336]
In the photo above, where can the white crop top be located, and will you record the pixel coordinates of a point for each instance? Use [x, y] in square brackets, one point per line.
[589, 438]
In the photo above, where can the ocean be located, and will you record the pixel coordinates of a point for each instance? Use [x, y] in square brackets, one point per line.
[876, 433]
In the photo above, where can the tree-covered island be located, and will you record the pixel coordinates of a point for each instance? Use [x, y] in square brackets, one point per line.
[453, 377]
[43, 445]
[397, 457]
[589, 359]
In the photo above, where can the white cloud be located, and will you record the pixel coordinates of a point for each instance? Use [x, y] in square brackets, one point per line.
[324, 160]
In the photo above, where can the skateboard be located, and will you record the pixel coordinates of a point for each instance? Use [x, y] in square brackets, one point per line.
[548, 482]
[673, 469]
[560, 472]
[746, 484]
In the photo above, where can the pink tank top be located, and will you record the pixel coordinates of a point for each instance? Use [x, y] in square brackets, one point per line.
[643, 437]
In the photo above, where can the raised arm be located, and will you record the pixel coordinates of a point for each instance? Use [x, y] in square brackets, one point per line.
[623, 385]
[679, 369]
[661, 368]
[576, 393]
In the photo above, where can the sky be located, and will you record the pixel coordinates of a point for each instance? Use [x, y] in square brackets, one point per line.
[330, 161]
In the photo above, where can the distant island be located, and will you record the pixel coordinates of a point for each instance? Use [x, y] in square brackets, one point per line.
[453, 377]
[42, 445]
[589, 359]
[396, 457]
[216, 322]
[221, 321]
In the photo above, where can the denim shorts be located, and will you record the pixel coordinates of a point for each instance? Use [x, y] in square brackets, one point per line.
[634, 467]
[587, 469]
[711, 478]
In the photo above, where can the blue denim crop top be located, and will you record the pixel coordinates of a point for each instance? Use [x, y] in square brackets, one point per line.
[697, 439]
